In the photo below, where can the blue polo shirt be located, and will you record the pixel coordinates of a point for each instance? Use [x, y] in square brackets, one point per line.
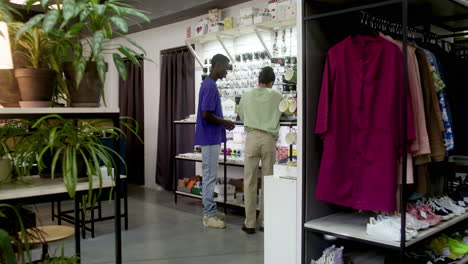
[208, 133]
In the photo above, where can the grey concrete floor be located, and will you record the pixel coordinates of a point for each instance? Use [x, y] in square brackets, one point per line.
[162, 232]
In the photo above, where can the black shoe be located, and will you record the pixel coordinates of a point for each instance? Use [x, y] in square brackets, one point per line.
[249, 231]
[260, 229]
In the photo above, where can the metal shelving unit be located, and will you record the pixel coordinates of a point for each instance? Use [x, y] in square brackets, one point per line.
[324, 24]
[225, 163]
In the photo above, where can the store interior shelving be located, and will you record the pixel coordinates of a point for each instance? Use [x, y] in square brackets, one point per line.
[353, 226]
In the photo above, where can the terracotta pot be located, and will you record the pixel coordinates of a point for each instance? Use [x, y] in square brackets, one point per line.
[36, 86]
[88, 94]
[9, 93]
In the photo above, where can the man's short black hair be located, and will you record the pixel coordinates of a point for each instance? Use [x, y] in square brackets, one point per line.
[267, 75]
[219, 59]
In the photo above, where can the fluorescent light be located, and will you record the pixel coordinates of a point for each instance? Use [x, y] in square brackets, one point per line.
[6, 61]
[22, 2]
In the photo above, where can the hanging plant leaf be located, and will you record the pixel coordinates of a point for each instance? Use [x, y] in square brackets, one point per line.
[100, 9]
[84, 14]
[8, 255]
[80, 68]
[117, 9]
[132, 42]
[31, 23]
[137, 13]
[120, 23]
[75, 29]
[96, 44]
[79, 7]
[68, 11]
[129, 54]
[119, 63]
[101, 68]
[50, 20]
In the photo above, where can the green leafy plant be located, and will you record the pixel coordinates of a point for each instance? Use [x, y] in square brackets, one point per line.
[60, 259]
[67, 142]
[7, 242]
[84, 28]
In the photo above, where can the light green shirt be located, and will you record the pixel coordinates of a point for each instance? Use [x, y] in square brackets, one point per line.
[259, 109]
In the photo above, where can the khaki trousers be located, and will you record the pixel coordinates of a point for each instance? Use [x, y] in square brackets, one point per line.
[259, 145]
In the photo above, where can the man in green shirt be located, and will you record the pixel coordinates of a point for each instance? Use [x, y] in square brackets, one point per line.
[258, 109]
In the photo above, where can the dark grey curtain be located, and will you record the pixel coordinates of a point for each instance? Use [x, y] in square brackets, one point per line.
[176, 102]
[131, 103]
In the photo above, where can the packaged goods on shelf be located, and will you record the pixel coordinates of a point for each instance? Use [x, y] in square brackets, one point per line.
[201, 28]
[246, 21]
[248, 12]
[217, 27]
[215, 16]
[229, 23]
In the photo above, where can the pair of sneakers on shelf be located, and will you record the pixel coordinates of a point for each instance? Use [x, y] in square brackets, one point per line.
[388, 227]
[448, 247]
[445, 207]
[424, 212]
[331, 255]
[216, 221]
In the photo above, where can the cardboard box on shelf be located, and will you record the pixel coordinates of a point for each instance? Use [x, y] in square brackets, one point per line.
[181, 183]
[239, 184]
[219, 189]
[246, 21]
[229, 23]
[201, 28]
[213, 28]
[215, 16]
[248, 12]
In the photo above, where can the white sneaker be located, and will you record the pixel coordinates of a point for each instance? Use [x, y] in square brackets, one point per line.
[446, 201]
[385, 229]
[214, 222]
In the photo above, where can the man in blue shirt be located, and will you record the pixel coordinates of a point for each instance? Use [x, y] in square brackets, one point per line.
[210, 133]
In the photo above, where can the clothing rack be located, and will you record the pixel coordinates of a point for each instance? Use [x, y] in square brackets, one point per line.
[322, 28]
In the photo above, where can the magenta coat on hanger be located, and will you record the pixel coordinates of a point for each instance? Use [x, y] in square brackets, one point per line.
[360, 119]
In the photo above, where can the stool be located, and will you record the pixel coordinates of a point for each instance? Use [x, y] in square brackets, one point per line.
[43, 235]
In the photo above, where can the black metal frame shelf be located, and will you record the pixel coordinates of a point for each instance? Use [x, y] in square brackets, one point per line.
[317, 18]
[225, 163]
[78, 113]
[352, 226]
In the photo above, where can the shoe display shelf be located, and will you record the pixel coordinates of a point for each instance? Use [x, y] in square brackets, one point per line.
[225, 162]
[352, 226]
[325, 23]
[44, 191]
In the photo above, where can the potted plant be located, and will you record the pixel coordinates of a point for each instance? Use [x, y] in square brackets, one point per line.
[36, 82]
[62, 144]
[9, 94]
[88, 25]
[9, 242]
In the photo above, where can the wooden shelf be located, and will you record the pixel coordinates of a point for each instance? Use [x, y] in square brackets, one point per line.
[244, 30]
[352, 226]
[58, 110]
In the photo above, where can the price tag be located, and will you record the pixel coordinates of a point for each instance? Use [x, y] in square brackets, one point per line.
[446, 251]
[461, 203]
[423, 214]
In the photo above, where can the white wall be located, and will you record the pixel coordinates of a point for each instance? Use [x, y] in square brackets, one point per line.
[155, 40]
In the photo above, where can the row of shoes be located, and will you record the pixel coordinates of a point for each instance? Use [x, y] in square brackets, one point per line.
[441, 250]
[422, 215]
[331, 255]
